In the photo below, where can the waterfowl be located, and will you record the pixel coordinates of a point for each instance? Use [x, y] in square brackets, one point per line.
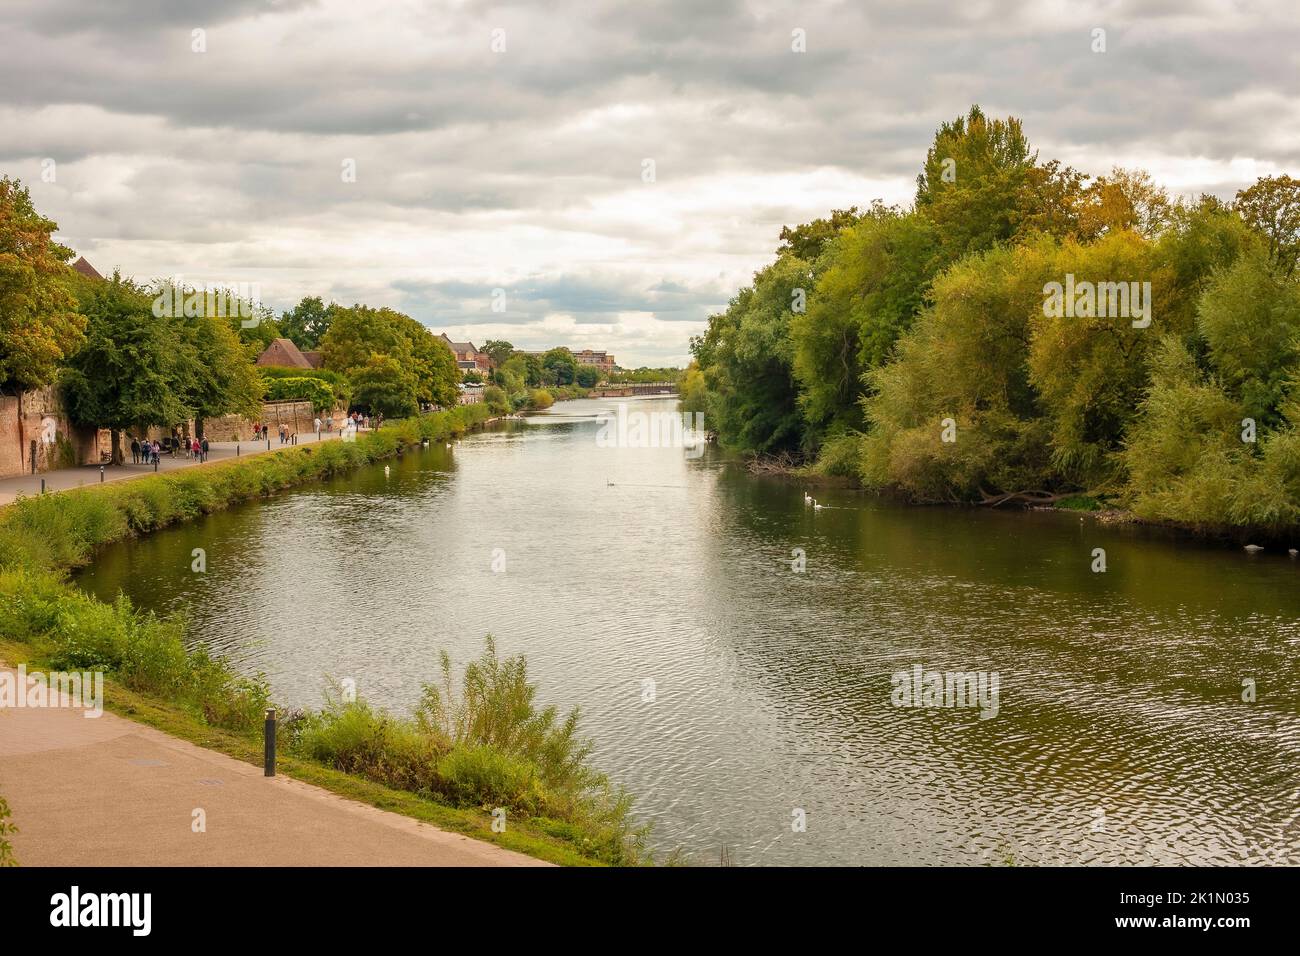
[807, 498]
[816, 506]
[1252, 548]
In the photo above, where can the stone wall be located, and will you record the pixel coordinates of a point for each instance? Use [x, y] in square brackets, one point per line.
[36, 425]
[299, 416]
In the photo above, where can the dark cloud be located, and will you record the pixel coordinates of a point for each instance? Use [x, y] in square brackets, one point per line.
[526, 165]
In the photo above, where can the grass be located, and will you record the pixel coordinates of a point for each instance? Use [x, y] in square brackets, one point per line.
[463, 753]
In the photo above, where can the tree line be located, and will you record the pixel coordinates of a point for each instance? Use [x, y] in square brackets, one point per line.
[929, 351]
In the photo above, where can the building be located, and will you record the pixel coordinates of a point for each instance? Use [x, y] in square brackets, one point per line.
[468, 357]
[283, 353]
[86, 269]
[602, 360]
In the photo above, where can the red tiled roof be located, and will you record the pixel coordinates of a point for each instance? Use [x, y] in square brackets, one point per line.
[86, 269]
[284, 353]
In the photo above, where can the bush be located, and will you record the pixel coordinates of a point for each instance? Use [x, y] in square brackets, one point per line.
[486, 745]
[540, 398]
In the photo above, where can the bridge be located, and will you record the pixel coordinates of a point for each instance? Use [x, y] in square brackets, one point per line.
[628, 389]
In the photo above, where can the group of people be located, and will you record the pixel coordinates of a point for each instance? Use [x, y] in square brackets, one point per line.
[148, 452]
[262, 432]
[355, 419]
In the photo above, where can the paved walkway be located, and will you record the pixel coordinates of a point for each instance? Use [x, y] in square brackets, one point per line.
[108, 791]
[62, 479]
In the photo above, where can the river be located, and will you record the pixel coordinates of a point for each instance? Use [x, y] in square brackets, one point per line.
[750, 707]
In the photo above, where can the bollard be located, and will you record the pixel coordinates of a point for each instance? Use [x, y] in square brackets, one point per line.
[155, 466]
[268, 444]
[236, 451]
[101, 474]
[42, 486]
[269, 760]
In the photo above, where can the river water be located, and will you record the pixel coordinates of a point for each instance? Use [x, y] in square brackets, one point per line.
[750, 707]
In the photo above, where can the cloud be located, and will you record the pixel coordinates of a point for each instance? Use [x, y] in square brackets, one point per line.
[523, 169]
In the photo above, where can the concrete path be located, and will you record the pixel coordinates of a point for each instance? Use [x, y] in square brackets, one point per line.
[107, 791]
[63, 479]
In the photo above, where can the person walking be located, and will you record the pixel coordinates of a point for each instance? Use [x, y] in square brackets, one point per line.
[155, 452]
[203, 449]
[135, 451]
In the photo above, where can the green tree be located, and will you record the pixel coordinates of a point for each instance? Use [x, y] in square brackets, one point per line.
[561, 368]
[954, 417]
[589, 375]
[214, 374]
[1249, 316]
[126, 373]
[973, 183]
[498, 351]
[382, 386]
[806, 241]
[868, 292]
[746, 358]
[307, 322]
[39, 322]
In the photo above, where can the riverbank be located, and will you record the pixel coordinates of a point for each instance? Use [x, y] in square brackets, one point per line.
[42, 538]
[1103, 511]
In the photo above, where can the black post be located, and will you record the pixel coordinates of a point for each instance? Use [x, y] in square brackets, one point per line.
[42, 486]
[268, 444]
[101, 474]
[155, 466]
[236, 451]
[269, 761]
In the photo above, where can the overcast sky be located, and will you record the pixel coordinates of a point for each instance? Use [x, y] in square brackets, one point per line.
[523, 169]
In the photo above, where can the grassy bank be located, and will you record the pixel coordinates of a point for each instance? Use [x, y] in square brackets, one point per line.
[460, 756]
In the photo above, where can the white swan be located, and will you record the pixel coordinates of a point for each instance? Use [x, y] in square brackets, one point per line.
[386, 471]
[816, 506]
[807, 498]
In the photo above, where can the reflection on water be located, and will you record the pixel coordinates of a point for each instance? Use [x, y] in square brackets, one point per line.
[1121, 735]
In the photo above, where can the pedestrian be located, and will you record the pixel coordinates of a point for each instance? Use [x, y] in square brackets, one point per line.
[203, 449]
[135, 451]
[316, 424]
[155, 452]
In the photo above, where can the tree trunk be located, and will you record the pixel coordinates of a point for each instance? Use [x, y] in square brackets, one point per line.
[198, 428]
[117, 446]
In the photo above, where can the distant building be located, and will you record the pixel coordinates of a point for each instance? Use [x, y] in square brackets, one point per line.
[468, 357]
[284, 354]
[314, 358]
[602, 360]
[86, 269]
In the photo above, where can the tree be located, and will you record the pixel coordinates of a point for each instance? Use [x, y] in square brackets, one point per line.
[954, 417]
[125, 373]
[498, 351]
[307, 322]
[746, 358]
[560, 365]
[1249, 316]
[806, 241]
[589, 375]
[1272, 207]
[382, 386]
[39, 322]
[1126, 199]
[872, 278]
[214, 374]
[973, 181]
